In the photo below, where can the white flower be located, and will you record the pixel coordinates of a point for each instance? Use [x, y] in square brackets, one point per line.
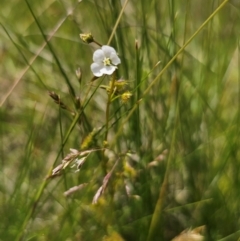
[105, 61]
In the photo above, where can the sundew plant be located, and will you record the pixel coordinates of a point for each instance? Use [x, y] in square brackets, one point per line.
[120, 120]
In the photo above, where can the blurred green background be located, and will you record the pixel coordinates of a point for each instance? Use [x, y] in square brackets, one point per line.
[184, 133]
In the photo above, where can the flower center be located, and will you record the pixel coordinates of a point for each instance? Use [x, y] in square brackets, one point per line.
[107, 61]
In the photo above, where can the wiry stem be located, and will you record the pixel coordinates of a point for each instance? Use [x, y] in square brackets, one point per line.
[108, 104]
[110, 94]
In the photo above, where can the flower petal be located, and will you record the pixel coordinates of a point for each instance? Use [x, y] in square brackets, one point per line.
[108, 69]
[115, 59]
[98, 56]
[108, 51]
[96, 69]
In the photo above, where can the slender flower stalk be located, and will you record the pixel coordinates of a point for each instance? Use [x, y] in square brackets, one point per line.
[108, 105]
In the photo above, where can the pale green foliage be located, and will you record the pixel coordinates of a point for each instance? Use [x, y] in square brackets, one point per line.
[181, 118]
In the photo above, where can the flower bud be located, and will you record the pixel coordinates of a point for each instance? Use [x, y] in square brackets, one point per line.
[86, 38]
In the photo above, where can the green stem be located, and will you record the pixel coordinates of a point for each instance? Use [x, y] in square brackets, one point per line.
[71, 89]
[157, 215]
[117, 22]
[137, 129]
[110, 94]
[109, 101]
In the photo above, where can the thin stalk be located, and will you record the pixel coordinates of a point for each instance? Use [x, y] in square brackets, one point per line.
[31, 61]
[109, 101]
[25, 59]
[157, 215]
[70, 87]
[117, 22]
[138, 92]
[238, 119]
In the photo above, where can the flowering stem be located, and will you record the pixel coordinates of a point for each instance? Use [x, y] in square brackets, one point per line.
[110, 94]
[97, 43]
[137, 114]
[114, 98]
[108, 105]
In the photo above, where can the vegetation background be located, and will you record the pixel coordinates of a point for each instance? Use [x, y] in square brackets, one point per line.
[176, 151]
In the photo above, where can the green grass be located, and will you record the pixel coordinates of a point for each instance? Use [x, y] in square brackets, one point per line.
[171, 152]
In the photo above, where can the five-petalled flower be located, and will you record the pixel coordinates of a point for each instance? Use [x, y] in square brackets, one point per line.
[105, 61]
